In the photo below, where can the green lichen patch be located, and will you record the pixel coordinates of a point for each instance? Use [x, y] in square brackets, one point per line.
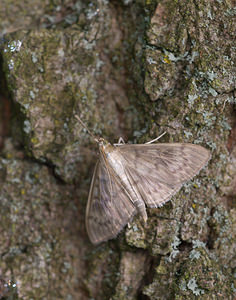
[190, 277]
[193, 282]
[198, 43]
[136, 234]
[55, 74]
[102, 272]
[161, 74]
[160, 288]
[158, 234]
[39, 253]
[167, 27]
[133, 267]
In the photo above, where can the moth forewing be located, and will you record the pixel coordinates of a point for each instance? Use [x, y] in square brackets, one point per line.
[128, 177]
[159, 171]
[109, 208]
[170, 163]
[88, 209]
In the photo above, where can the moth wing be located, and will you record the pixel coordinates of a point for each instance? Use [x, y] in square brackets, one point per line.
[159, 170]
[109, 208]
[153, 192]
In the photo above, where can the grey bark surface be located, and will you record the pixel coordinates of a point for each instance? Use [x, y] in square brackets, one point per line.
[132, 69]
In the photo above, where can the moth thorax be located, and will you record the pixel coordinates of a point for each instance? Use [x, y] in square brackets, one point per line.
[106, 147]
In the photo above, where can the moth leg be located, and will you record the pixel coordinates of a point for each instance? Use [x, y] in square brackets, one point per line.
[120, 142]
[152, 141]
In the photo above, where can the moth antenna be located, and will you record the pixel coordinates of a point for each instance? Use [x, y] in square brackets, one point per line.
[150, 142]
[89, 132]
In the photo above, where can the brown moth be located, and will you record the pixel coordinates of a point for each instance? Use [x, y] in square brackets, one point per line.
[129, 177]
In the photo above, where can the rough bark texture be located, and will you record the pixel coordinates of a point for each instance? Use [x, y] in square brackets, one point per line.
[132, 69]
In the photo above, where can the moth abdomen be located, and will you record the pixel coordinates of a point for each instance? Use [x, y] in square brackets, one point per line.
[142, 210]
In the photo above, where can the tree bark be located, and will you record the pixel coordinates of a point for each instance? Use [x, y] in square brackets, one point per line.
[128, 68]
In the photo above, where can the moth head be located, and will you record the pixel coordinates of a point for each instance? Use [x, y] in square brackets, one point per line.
[103, 144]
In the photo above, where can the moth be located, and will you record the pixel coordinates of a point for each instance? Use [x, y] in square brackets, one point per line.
[129, 177]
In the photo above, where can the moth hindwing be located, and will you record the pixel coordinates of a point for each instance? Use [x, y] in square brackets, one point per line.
[127, 178]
